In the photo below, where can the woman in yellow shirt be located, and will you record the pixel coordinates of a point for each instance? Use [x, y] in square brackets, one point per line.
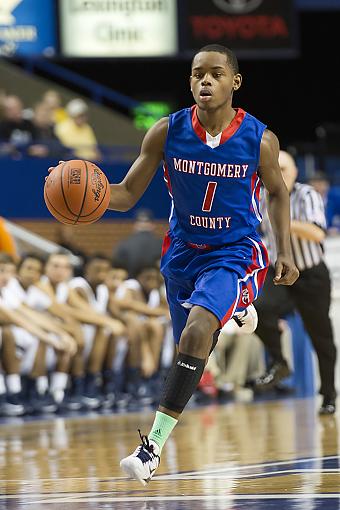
[76, 133]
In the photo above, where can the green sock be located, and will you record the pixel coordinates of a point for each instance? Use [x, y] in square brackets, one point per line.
[162, 428]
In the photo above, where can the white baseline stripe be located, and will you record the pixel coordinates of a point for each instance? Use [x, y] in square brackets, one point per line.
[253, 466]
[181, 498]
[218, 476]
[184, 473]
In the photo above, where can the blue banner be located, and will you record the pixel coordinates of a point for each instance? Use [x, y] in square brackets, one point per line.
[23, 195]
[27, 27]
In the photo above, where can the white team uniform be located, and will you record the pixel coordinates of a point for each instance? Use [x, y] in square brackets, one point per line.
[98, 300]
[154, 301]
[12, 297]
[41, 301]
[132, 284]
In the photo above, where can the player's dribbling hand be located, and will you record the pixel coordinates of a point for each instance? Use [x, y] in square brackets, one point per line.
[286, 272]
[51, 168]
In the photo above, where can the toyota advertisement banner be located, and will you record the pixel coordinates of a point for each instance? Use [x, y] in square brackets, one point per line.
[252, 28]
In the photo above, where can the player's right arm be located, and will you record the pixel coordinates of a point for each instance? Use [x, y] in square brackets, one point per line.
[82, 311]
[17, 318]
[129, 304]
[47, 323]
[127, 193]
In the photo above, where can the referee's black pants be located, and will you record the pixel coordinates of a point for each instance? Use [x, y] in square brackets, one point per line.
[311, 296]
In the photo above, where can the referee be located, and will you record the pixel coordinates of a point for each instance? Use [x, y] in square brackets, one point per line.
[310, 294]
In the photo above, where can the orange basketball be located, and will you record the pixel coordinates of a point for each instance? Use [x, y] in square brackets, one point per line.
[77, 192]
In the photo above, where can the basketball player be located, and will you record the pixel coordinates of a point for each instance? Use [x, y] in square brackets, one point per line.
[213, 261]
[65, 304]
[90, 294]
[141, 297]
[29, 330]
[29, 272]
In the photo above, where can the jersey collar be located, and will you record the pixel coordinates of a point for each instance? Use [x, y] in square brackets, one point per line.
[227, 133]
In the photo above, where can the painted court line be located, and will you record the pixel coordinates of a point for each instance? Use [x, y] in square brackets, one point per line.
[190, 474]
[181, 498]
[247, 466]
[216, 476]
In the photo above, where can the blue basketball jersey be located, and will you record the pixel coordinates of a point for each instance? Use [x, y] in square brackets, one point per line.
[214, 191]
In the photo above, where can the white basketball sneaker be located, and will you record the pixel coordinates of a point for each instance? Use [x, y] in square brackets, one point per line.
[242, 322]
[143, 462]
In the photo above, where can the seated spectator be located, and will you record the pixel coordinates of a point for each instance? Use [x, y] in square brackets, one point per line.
[47, 144]
[140, 298]
[14, 129]
[65, 237]
[25, 334]
[76, 133]
[114, 361]
[42, 120]
[69, 299]
[52, 100]
[141, 248]
[235, 353]
[18, 133]
[331, 197]
[91, 295]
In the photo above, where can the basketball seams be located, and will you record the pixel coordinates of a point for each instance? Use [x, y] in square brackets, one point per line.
[65, 199]
[56, 210]
[85, 191]
[104, 195]
[62, 189]
[72, 221]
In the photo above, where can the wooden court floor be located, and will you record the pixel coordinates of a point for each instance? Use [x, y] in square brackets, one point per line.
[266, 455]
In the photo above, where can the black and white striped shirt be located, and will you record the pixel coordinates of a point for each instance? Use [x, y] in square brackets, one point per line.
[306, 204]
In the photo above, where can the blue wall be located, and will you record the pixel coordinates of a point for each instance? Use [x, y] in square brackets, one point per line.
[22, 183]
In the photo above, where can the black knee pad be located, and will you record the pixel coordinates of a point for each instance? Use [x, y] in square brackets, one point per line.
[181, 382]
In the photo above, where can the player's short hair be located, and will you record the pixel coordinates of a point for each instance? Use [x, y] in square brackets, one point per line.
[62, 253]
[118, 264]
[30, 255]
[146, 267]
[97, 256]
[231, 57]
[5, 258]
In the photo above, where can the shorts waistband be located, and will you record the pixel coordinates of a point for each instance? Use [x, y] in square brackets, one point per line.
[204, 247]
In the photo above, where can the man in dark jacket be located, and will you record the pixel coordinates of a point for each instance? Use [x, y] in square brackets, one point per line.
[142, 248]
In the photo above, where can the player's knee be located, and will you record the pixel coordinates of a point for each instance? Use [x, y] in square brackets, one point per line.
[157, 328]
[195, 341]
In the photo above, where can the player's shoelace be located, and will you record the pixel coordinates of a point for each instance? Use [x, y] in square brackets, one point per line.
[146, 452]
[240, 320]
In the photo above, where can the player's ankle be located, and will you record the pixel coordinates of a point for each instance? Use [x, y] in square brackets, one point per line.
[156, 447]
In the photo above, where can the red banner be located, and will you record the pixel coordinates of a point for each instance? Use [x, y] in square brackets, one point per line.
[253, 27]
